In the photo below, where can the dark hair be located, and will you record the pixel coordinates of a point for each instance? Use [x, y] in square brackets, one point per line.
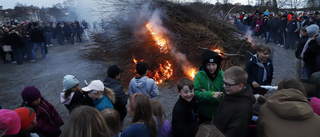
[303, 29]
[292, 83]
[142, 110]
[263, 47]
[68, 92]
[142, 67]
[185, 82]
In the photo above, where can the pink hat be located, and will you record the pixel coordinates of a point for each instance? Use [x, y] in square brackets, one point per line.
[9, 121]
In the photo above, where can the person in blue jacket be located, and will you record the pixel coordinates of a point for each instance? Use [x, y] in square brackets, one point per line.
[102, 97]
[260, 69]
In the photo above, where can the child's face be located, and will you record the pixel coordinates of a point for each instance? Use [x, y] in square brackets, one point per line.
[263, 56]
[211, 67]
[36, 102]
[94, 95]
[186, 93]
[230, 86]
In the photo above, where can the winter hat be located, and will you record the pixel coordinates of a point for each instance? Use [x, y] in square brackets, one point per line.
[209, 56]
[9, 121]
[30, 94]
[27, 116]
[94, 85]
[113, 71]
[69, 81]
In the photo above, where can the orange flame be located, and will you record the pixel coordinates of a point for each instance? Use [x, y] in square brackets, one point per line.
[191, 73]
[161, 42]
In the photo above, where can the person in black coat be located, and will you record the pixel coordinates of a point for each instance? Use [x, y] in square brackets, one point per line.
[311, 55]
[184, 118]
[302, 41]
[282, 33]
[67, 30]
[275, 25]
[293, 28]
[112, 81]
[38, 39]
[16, 45]
[234, 113]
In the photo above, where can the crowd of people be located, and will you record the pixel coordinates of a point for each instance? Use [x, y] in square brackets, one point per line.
[217, 103]
[282, 27]
[24, 39]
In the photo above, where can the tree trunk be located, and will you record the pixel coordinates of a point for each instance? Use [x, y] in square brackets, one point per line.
[275, 6]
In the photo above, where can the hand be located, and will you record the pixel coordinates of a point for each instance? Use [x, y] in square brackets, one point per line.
[217, 95]
[255, 84]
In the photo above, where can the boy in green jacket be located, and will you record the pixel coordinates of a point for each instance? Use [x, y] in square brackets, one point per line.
[208, 85]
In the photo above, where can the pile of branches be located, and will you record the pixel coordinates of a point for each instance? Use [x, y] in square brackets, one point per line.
[192, 28]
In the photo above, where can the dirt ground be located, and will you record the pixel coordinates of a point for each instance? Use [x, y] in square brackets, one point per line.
[47, 75]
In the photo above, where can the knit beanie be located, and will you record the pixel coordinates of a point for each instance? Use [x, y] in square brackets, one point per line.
[27, 116]
[30, 94]
[69, 81]
[9, 122]
[209, 56]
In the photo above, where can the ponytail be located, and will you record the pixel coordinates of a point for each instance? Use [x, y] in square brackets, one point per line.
[110, 94]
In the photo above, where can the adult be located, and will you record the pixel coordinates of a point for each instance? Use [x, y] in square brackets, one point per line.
[38, 39]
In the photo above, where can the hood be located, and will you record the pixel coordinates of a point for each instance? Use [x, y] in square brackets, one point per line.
[66, 101]
[290, 104]
[110, 82]
[140, 82]
[312, 30]
[255, 60]
[246, 95]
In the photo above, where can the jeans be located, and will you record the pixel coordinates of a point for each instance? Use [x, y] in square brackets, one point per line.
[306, 71]
[48, 38]
[17, 53]
[35, 49]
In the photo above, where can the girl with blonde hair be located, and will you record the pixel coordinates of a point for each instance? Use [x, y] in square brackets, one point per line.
[102, 97]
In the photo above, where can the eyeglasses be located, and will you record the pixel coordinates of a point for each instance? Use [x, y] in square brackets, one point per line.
[229, 85]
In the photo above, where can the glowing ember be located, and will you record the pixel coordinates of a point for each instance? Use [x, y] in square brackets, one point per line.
[164, 72]
[159, 39]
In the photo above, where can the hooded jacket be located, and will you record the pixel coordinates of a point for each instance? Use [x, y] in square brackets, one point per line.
[288, 113]
[234, 113]
[258, 73]
[121, 97]
[75, 99]
[143, 85]
[312, 30]
[207, 104]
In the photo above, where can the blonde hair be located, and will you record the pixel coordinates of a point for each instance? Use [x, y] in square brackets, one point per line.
[208, 130]
[110, 94]
[85, 121]
[236, 73]
[158, 110]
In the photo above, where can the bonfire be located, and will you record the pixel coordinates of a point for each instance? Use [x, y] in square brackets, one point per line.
[171, 39]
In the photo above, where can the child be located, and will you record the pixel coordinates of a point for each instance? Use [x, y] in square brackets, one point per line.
[311, 56]
[112, 119]
[71, 95]
[260, 69]
[48, 119]
[184, 121]
[102, 97]
[143, 123]
[143, 84]
[10, 122]
[234, 113]
[85, 121]
[208, 88]
[28, 120]
[159, 112]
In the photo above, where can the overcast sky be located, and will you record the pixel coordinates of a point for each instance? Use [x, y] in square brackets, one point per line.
[48, 3]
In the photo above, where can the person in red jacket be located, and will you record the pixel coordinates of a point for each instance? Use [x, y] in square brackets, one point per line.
[48, 119]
